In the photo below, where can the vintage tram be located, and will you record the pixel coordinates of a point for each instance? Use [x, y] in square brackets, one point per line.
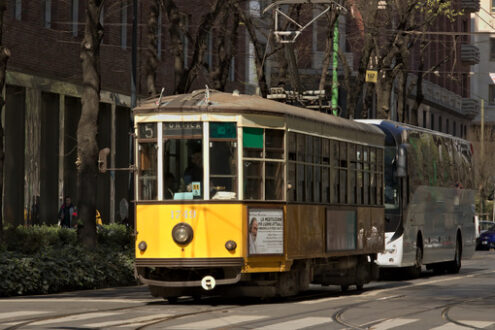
[236, 194]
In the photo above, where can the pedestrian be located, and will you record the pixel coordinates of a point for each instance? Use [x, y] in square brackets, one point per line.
[66, 213]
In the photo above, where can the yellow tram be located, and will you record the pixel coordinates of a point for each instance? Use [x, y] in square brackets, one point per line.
[237, 194]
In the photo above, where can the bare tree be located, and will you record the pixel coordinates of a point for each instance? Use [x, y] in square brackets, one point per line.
[152, 61]
[87, 147]
[4, 56]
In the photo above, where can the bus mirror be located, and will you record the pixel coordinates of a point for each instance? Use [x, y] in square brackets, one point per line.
[402, 161]
[102, 159]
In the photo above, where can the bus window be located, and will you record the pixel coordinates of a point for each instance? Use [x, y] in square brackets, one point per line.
[391, 181]
[223, 160]
[183, 160]
[147, 162]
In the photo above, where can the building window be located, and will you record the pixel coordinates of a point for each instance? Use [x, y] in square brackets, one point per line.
[454, 128]
[232, 69]
[447, 127]
[440, 123]
[491, 94]
[47, 13]
[123, 20]
[17, 9]
[159, 33]
[424, 118]
[492, 49]
[465, 131]
[432, 121]
[75, 17]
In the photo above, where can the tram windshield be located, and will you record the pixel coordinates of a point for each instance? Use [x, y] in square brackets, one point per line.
[391, 180]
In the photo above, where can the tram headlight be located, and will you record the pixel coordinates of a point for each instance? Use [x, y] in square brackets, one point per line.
[142, 246]
[231, 245]
[182, 233]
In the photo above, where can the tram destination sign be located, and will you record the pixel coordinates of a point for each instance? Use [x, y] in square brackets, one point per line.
[266, 231]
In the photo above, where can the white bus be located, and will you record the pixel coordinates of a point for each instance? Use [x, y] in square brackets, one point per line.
[429, 199]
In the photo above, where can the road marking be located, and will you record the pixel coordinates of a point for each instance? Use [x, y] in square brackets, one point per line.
[9, 315]
[298, 324]
[374, 293]
[78, 317]
[225, 321]
[469, 324]
[317, 301]
[392, 323]
[128, 322]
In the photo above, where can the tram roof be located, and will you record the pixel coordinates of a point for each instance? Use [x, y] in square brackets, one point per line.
[221, 102]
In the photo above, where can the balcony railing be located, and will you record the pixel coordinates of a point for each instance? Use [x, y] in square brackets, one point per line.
[471, 6]
[470, 107]
[470, 54]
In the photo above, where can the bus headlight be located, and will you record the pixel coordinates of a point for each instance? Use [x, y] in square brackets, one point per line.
[182, 233]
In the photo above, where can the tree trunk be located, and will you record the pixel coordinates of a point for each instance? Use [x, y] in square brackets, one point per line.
[87, 147]
[4, 57]
[151, 51]
[383, 93]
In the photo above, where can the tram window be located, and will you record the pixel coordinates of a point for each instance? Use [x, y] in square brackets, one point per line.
[317, 150]
[379, 195]
[300, 182]
[274, 146]
[292, 146]
[334, 185]
[252, 142]
[359, 174]
[325, 152]
[334, 153]
[223, 169]
[372, 176]
[325, 185]
[366, 176]
[343, 154]
[253, 179]
[308, 190]
[317, 184]
[183, 168]
[343, 186]
[352, 174]
[148, 165]
[309, 149]
[292, 180]
[274, 181]
[183, 160]
[301, 152]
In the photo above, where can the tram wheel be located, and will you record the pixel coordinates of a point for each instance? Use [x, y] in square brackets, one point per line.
[359, 287]
[344, 287]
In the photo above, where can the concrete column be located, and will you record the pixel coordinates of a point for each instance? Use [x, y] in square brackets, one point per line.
[61, 149]
[32, 149]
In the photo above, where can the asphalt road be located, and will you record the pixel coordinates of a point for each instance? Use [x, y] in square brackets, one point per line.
[462, 301]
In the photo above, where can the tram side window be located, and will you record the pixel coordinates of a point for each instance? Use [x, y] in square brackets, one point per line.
[147, 162]
[300, 167]
[353, 193]
[343, 173]
[334, 172]
[325, 174]
[292, 178]
[366, 176]
[308, 186]
[223, 160]
[379, 177]
[373, 182]
[264, 170]
[183, 160]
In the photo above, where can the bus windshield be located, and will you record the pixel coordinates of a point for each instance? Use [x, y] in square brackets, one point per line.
[391, 180]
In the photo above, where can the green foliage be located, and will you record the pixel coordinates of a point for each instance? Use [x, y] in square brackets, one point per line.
[44, 259]
[435, 8]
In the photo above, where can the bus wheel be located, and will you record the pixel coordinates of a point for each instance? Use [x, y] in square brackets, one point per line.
[415, 271]
[455, 265]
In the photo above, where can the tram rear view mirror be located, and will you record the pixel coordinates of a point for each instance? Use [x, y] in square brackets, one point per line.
[402, 161]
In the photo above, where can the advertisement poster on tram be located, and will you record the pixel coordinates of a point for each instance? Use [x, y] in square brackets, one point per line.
[266, 231]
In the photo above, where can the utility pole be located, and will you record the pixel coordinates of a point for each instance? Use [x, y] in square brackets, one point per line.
[482, 150]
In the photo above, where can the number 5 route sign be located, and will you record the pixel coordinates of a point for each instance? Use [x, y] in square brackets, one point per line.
[371, 76]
